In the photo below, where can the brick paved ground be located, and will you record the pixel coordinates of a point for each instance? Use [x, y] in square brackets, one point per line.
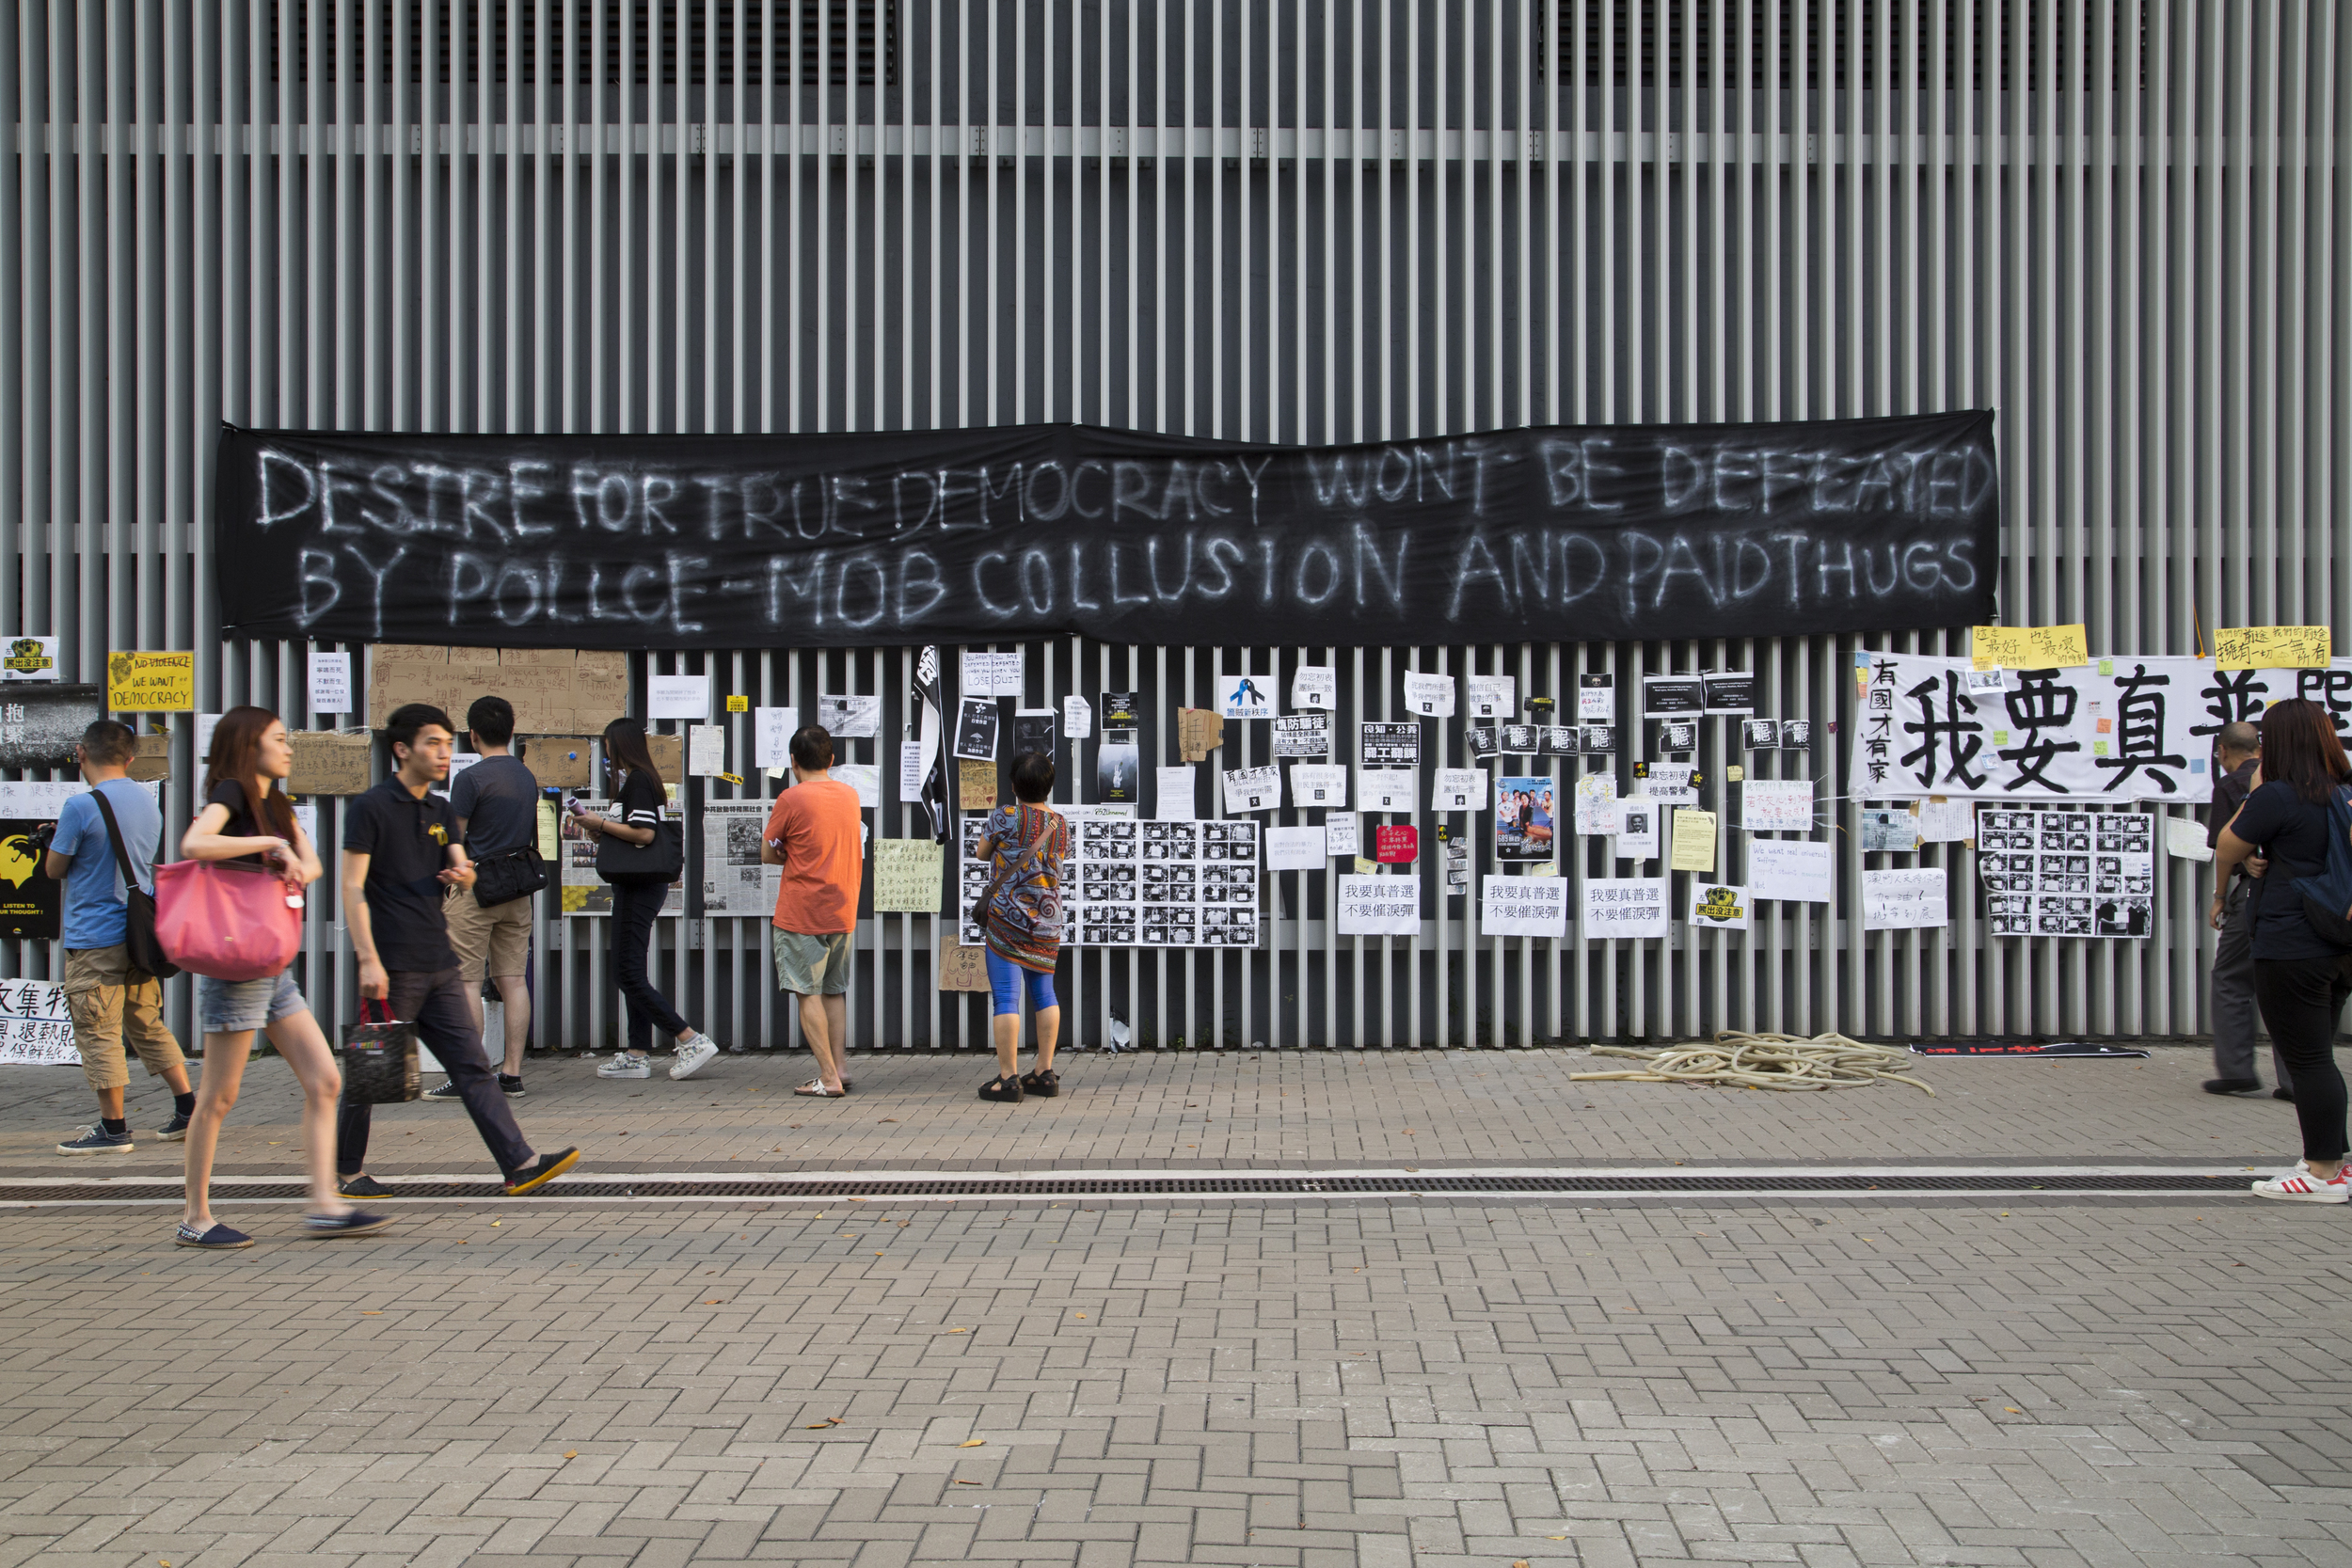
[1310, 1386]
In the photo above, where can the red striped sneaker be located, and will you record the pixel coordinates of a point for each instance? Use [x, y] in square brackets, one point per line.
[2296, 1184]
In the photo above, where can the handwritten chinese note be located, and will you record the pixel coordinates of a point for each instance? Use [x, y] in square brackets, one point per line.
[2272, 648]
[2029, 647]
[906, 876]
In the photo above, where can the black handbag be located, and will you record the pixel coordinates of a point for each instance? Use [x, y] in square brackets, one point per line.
[661, 861]
[505, 877]
[138, 935]
[379, 1058]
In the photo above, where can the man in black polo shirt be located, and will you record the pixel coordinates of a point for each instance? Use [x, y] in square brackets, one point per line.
[401, 852]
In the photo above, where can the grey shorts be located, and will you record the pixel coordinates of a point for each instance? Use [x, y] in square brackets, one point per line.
[233, 1007]
[815, 965]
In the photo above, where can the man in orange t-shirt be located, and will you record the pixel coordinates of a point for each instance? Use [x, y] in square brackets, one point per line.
[815, 833]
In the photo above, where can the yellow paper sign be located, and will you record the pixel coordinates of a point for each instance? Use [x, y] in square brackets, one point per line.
[151, 683]
[1694, 841]
[2272, 648]
[906, 876]
[2029, 647]
[739, 704]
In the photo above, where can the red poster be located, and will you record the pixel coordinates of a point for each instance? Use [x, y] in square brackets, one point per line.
[1396, 845]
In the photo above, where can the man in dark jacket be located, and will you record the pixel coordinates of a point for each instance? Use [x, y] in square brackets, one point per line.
[2234, 1019]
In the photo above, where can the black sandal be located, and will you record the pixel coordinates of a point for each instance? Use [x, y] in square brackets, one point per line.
[1005, 1089]
[1045, 1085]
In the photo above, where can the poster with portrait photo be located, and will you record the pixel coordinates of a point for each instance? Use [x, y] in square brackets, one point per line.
[1526, 820]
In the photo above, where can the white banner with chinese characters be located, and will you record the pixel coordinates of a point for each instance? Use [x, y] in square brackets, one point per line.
[2119, 729]
[35, 1028]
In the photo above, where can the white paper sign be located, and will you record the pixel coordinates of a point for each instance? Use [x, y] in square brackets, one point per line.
[1949, 821]
[28, 659]
[706, 749]
[1340, 833]
[1523, 906]
[1386, 790]
[1078, 718]
[1637, 828]
[1459, 789]
[678, 697]
[993, 675]
[1314, 687]
[1492, 696]
[1597, 803]
[911, 769]
[459, 762]
[1776, 806]
[42, 801]
[2184, 839]
[1379, 906]
[1626, 906]
[1596, 700]
[36, 1027]
[1245, 696]
[1905, 900]
[330, 683]
[205, 724]
[307, 817]
[851, 716]
[772, 737]
[1253, 788]
[1294, 850]
[1430, 696]
[1173, 798]
[1715, 906]
[1318, 783]
[864, 777]
[1669, 784]
[1792, 869]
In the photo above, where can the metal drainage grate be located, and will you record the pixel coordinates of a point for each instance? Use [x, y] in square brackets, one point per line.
[1175, 1185]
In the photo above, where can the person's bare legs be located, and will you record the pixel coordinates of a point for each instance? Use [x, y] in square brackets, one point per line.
[823, 1021]
[514, 991]
[1007, 1027]
[837, 1008]
[1048, 1035]
[303, 1045]
[215, 1092]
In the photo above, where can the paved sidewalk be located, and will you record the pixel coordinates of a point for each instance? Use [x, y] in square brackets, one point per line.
[917, 1111]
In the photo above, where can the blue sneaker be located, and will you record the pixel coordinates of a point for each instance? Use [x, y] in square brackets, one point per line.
[175, 1131]
[357, 1222]
[96, 1140]
[219, 1238]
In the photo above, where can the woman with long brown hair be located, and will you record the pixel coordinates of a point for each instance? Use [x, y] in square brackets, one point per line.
[638, 792]
[247, 819]
[2301, 978]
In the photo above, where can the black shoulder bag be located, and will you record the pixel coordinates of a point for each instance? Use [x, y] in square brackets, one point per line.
[512, 874]
[138, 937]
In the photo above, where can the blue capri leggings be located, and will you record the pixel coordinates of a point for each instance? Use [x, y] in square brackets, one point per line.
[1003, 980]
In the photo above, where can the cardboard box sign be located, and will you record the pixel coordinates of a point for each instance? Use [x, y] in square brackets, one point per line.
[669, 756]
[328, 763]
[152, 761]
[560, 761]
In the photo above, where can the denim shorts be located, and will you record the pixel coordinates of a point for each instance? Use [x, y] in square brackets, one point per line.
[233, 1007]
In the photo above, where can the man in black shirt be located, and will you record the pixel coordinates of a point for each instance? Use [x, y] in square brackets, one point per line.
[497, 803]
[2239, 753]
[401, 851]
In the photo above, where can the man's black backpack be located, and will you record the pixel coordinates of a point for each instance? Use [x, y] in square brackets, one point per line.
[138, 935]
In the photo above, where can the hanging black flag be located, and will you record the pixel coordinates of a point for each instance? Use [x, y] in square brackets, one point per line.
[935, 791]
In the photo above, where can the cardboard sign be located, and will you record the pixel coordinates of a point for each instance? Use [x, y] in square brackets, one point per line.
[961, 968]
[668, 752]
[151, 758]
[1396, 843]
[976, 785]
[327, 762]
[151, 683]
[559, 761]
[1199, 732]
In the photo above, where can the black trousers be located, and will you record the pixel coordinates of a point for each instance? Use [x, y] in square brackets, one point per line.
[435, 1002]
[635, 907]
[2302, 999]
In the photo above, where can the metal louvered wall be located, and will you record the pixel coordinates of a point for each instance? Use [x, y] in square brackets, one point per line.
[2118, 222]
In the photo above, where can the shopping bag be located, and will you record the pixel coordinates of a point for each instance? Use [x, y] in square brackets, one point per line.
[379, 1058]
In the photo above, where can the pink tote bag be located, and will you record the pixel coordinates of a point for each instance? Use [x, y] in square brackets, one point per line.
[230, 922]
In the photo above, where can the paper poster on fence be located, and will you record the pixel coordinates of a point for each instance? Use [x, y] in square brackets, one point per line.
[1303, 735]
[1524, 820]
[992, 675]
[1380, 906]
[1795, 870]
[2122, 729]
[906, 876]
[1523, 906]
[850, 715]
[1908, 899]
[1637, 828]
[1253, 788]
[1717, 907]
[1669, 784]
[1458, 789]
[1319, 784]
[733, 880]
[1597, 804]
[1294, 850]
[1776, 806]
[2067, 874]
[1889, 832]
[1314, 687]
[1386, 790]
[36, 1029]
[1340, 833]
[1173, 799]
[1626, 906]
[1492, 696]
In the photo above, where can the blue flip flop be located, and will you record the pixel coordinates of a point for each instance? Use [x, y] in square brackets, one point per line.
[219, 1238]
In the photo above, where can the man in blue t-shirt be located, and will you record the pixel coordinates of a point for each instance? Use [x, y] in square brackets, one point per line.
[103, 991]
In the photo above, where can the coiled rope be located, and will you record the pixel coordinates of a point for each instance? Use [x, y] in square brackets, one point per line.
[1740, 1060]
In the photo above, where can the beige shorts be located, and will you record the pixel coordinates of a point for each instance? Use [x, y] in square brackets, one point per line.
[107, 998]
[495, 940]
[814, 965]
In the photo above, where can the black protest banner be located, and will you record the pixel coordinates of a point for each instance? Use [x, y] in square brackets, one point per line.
[1557, 533]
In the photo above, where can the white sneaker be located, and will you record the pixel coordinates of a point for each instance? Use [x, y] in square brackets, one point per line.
[2298, 1185]
[693, 1058]
[626, 1065]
